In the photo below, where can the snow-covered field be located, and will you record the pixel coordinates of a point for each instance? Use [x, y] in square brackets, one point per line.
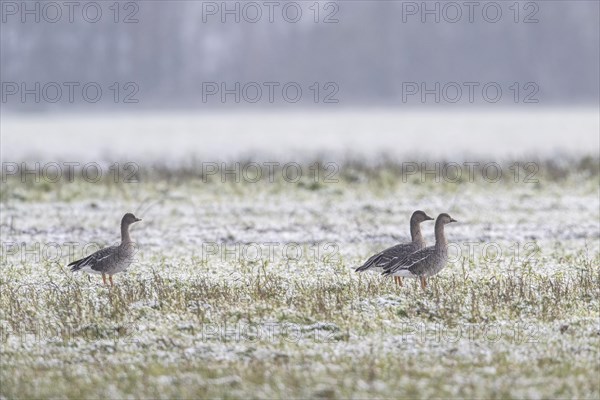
[455, 134]
[245, 290]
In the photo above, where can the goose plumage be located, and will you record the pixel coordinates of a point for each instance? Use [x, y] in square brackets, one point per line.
[427, 261]
[392, 255]
[113, 259]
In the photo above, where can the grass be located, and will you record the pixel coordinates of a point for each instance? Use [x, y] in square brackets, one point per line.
[186, 323]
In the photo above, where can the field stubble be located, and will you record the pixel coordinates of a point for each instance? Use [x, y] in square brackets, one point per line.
[188, 322]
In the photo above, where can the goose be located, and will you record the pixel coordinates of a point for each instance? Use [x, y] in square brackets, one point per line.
[389, 256]
[113, 259]
[425, 262]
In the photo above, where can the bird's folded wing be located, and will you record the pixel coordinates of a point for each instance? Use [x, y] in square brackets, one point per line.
[387, 256]
[409, 261]
[95, 260]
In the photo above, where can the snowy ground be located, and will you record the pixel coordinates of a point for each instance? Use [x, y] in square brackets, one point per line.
[292, 135]
[247, 289]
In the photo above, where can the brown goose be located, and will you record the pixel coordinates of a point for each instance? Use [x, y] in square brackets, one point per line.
[113, 259]
[390, 256]
[425, 262]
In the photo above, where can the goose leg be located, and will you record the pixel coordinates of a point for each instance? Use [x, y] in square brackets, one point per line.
[423, 282]
[398, 280]
[104, 278]
[111, 281]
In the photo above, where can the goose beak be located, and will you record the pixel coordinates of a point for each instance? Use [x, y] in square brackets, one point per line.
[429, 218]
[453, 220]
[138, 219]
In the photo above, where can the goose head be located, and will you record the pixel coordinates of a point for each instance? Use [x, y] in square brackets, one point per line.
[445, 219]
[129, 219]
[420, 216]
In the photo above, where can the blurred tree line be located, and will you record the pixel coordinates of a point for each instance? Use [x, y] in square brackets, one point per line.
[368, 48]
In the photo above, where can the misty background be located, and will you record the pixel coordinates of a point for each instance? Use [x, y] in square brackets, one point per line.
[359, 53]
[372, 48]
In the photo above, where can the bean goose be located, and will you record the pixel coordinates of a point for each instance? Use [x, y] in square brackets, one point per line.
[113, 259]
[425, 262]
[395, 253]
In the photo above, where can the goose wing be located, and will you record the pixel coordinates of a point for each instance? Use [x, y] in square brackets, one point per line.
[388, 256]
[411, 261]
[97, 261]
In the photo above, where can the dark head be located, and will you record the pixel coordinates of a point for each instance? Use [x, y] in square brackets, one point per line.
[420, 216]
[444, 219]
[129, 219]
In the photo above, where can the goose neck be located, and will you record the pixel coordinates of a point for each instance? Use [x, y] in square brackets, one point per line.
[415, 232]
[125, 238]
[440, 237]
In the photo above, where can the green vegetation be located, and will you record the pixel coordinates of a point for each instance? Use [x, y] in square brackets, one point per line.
[190, 320]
